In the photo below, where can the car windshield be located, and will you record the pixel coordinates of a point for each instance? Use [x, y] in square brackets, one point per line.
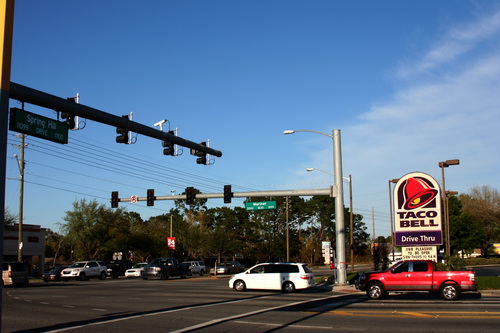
[77, 265]
[138, 266]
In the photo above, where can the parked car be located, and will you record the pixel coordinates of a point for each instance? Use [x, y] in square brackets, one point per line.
[164, 268]
[196, 267]
[227, 267]
[136, 270]
[287, 277]
[84, 270]
[54, 274]
[117, 268]
[15, 274]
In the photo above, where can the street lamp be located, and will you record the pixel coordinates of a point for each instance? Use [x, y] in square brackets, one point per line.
[351, 214]
[339, 201]
[392, 181]
[446, 217]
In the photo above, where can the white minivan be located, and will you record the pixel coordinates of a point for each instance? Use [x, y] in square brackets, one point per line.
[287, 277]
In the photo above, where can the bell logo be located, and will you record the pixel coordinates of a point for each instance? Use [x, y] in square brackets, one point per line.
[417, 193]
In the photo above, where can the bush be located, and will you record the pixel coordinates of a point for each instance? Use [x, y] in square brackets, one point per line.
[482, 261]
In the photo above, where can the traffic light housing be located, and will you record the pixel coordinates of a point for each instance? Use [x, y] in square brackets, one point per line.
[69, 120]
[228, 194]
[169, 147]
[114, 199]
[150, 198]
[190, 195]
[123, 133]
[202, 156]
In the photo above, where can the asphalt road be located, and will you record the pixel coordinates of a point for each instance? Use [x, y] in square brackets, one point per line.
[208, 305]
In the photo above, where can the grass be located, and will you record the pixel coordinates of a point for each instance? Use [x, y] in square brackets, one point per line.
[487, 282]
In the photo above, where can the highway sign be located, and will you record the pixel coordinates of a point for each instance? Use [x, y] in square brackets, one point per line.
[35, 125]
[260, 205]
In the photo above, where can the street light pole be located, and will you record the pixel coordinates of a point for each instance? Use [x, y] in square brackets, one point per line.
[446, 215]
[339, 202]
[394, 181]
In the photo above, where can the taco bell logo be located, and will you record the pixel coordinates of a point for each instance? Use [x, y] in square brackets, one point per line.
[417, 207]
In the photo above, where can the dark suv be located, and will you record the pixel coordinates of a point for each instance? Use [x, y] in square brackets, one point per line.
[117, 268]
[14, 273]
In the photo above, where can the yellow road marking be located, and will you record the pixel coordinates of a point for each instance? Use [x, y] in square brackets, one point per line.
[413, 314]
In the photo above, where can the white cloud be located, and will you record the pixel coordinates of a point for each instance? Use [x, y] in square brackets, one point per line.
[455, 43]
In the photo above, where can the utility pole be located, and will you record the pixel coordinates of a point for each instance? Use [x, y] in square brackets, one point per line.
[287, 233]
[20, 161]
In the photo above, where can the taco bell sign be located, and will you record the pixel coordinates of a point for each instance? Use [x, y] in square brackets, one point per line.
[417, 211]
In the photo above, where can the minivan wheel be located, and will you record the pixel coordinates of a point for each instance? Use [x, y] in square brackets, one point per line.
[103, 276]
[288, 287]
[240, 285]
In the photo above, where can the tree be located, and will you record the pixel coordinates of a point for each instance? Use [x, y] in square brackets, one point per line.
[466, 234]
[9, 220]
[483, 205]
[95, 231]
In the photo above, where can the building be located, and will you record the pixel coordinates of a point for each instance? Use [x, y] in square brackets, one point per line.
[33, 246]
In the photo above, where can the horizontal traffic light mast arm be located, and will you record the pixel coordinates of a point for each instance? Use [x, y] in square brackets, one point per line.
[332, 192]
[36, 97]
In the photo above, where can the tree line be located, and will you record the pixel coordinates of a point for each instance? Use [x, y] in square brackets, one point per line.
[95, 231]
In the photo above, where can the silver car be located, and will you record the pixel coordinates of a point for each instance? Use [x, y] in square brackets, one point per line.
[84, 270]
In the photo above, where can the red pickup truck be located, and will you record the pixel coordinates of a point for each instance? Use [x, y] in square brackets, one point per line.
[416, 275]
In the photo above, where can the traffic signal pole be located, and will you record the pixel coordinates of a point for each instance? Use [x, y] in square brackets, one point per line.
[36, 97]
[332, 192]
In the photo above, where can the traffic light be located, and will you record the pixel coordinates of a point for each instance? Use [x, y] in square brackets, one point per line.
[114, 199]
[70, 120]
[228, 194]
[123, 137]
[202, 156]
[169, 146]
[150, 199]
[190, 195]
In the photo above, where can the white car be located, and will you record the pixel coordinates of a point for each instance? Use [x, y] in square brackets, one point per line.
[84, 270]
[136, 270]
[287, 277]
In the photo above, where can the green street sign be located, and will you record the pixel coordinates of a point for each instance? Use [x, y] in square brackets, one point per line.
[35, 125]
[260, 205]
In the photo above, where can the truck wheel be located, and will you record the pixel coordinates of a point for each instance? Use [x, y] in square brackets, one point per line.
[202, 272]
[450, 292]
[240, 285]
[164, 276]
[375, 291]
[183, 275]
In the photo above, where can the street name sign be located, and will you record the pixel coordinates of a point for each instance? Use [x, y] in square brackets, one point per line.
[35, 125]
[260, 205]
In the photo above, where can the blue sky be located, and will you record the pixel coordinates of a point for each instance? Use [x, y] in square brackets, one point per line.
[408, 83]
